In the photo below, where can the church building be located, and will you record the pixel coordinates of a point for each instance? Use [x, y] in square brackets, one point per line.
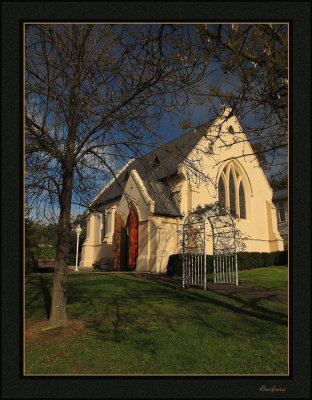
[135, 221]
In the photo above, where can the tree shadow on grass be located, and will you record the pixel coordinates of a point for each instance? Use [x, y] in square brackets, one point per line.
[46, 295]
[107, 322]
[256, 311]
[42, 289]
[252, 303]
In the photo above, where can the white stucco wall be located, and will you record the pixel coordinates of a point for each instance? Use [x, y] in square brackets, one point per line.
[260, 226]
[157, 235]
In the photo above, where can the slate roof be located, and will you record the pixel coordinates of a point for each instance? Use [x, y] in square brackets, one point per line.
[169, 156]
[283, 228]
[280, 194]
[161, 194]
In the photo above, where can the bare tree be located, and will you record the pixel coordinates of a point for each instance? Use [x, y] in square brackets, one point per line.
[94, 95]
[253, 59]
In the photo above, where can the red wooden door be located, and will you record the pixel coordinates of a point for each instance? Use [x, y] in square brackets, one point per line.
[133, 239]
[119, 247]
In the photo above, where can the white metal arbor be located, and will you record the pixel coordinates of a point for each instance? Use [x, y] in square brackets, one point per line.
[194, 253]
[196, 237]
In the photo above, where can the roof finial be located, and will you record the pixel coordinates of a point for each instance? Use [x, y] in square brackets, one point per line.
[226, 109]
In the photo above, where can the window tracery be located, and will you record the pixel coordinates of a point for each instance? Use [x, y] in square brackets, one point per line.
[221, 192]
[231, 191]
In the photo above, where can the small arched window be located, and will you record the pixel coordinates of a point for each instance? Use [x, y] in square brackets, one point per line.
[231, 191]
[231, 129]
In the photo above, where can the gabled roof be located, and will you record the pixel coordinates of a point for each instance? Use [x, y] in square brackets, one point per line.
[162, 196]
[168, 157]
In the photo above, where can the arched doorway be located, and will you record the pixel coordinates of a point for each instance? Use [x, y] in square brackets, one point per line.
[132, 239]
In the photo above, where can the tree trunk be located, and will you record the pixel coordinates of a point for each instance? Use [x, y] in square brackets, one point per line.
[58, 316]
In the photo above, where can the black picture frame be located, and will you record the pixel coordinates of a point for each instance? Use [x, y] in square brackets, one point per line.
[14, 384]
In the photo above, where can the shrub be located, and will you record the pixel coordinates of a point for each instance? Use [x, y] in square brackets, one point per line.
[280, 258]
[245, 260]
[33, 254]
[46, 251]
[174, 266]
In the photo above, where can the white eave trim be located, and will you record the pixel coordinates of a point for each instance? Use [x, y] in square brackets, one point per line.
[140, 184]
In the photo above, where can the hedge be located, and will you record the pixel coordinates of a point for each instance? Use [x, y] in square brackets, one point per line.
[46, 251]
[245, 260]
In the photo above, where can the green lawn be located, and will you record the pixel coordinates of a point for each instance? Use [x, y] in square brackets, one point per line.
[136, 326]
[275, 278]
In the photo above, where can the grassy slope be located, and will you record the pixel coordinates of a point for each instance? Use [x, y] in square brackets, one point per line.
[275, 278]
[141, 327]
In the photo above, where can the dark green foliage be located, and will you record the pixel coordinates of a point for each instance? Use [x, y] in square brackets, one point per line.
[246, 260]
[81, 219]
[33, 254]
[40, 242]
[250, 260]
[174, 266]
[73, 247]
[279, 183]
[281, 257]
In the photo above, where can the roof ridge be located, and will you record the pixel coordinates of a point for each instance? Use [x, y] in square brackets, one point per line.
[131, 160]
[176, 138]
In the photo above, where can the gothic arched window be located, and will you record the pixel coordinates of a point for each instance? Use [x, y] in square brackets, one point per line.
[242, 201]
[221, 192]
[232, 194]
[231, 191]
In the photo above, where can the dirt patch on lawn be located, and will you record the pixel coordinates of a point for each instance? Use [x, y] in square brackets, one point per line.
[246, 290]
[243, 289]
[35, 331]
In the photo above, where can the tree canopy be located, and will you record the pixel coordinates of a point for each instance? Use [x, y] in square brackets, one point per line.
[253, 59]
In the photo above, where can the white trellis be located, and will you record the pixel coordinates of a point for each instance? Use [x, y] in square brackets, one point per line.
[195, 240]
[194, 255]
[224, 241]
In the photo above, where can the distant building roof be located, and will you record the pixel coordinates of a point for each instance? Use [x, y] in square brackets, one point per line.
[280, 194]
